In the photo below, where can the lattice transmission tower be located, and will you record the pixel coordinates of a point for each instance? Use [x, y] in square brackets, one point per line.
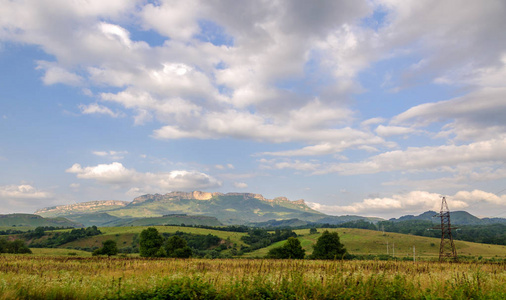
[447, 246]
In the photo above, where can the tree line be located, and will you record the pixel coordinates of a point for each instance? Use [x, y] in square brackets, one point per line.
[16, 246]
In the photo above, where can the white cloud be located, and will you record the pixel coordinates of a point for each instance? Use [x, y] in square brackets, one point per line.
[414, 202]
[23, 198]
[240, 185]
[289, 164]
[95, 108]
[393, 130]
[173, 19]
[55, 74]
[24, 191]
[116, 155]
[116, 174]
[475, 116]
[424, 158]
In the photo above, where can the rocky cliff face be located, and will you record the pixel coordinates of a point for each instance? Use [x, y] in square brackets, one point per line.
[91, 206]
[230, 208]
[181, 195]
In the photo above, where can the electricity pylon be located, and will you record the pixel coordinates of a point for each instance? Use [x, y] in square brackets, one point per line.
[447, 247]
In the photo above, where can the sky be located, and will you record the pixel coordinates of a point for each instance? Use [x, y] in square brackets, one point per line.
[372, 108]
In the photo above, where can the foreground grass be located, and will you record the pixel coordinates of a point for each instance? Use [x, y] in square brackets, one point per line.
[34, 277]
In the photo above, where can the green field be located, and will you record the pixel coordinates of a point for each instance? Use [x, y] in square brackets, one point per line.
[365, 242]
[356, 241]
[57, 277]
[123, 236]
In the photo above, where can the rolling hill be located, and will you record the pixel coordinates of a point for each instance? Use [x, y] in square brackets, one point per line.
[29, 220]
[457, 218]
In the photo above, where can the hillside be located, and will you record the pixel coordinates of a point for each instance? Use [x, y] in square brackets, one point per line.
[230, 208]
[356, 241]
[456, 217]
[29, 220]
[371, 242]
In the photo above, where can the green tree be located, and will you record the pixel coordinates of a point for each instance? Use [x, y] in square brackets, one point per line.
[291, 250]
[109, 248]
[16, 246]
[150, 243]
[313, 231]
[39, 232]
[176, 246]
[328, 246]
[3, 245]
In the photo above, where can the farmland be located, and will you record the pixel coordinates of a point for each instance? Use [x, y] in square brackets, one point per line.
[356, 241]
[67, 273]
[35, 277]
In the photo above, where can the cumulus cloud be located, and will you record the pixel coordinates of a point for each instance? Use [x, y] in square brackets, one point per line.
[414, 202]
[22, 198]
[474, 116]
[240, 185]
[424, 158]
[116, 174]
[95, 108]
[393, 130]
[24, 191]
[55, 74]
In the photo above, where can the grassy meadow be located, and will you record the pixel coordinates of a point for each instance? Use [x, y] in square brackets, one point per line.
[370, 242]
[36, 277]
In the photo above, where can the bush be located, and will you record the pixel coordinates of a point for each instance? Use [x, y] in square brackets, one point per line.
[177, 247]
[290, 250]
[16, 246]
[108, 248]
[328, 246]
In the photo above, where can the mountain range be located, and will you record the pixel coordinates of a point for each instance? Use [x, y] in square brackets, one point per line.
[213, 209]
[229, 209]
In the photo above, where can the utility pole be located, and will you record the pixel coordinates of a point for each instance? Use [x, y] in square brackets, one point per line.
[414, 254]
[393, 250]
[447, 246]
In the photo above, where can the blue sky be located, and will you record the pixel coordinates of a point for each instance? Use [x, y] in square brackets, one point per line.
[371, 107]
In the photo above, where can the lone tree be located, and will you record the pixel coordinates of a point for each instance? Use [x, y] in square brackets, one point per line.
[328, 246]
[151, 243]
[291, 250]
[108, 248]
[176, 246]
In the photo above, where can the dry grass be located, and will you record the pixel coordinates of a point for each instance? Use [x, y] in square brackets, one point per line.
[34, 277]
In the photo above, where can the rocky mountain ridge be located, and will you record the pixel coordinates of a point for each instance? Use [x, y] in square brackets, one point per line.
[77, 208]
[230, 208]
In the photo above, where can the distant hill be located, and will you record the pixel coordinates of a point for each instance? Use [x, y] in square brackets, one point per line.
[456, 218]
[230, 208]
[174, 220]
[30, 220]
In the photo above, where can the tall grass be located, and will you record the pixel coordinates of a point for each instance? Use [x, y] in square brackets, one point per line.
[32, 277]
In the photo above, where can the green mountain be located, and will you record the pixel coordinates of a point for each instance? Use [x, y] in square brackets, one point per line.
[30, 220]
[174, 220]
[231, 208]
[456, 218]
